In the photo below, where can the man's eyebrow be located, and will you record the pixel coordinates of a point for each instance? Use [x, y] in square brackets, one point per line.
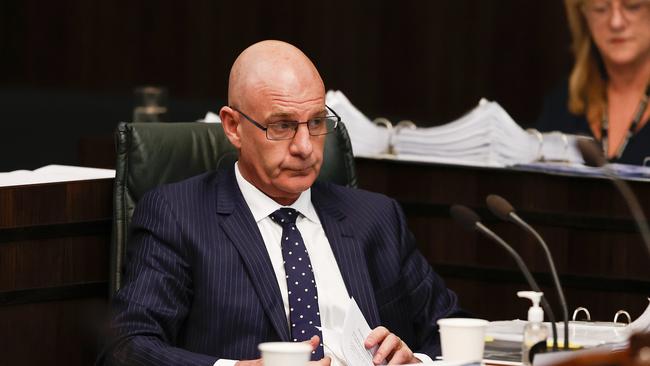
[288, 116]
[280, 115]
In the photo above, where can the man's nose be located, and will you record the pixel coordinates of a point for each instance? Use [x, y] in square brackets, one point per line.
[301, 144]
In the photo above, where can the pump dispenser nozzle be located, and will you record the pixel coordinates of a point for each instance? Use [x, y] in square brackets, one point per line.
[535, 313]
[535, 333]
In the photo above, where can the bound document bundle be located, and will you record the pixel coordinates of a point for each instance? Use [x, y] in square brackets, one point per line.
[485, 136]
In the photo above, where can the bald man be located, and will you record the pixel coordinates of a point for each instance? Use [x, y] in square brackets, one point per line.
[262, 252]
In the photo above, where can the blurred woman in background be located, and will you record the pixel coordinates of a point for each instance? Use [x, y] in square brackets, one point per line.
[607, 92]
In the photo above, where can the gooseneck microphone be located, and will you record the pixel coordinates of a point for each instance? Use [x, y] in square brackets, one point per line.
[593, 156]
[471, 221]
[504, 210]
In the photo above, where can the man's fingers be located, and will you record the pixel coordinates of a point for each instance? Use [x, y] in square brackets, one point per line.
[314, 342]
[388, 346]
[402, 355]
[376, 336]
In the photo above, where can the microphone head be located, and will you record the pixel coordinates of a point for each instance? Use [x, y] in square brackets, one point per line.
[464, 216]
[499, 206]
[591, 152]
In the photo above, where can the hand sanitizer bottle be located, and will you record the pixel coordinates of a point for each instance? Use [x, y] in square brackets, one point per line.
[535, 333]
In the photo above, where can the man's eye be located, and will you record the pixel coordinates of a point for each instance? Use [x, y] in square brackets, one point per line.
[282, 125]
[316, 122]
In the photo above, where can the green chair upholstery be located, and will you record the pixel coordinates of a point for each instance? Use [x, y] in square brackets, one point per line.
[151, 154]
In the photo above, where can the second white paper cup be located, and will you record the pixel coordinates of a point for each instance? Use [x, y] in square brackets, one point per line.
[285, 353]
[462, 339]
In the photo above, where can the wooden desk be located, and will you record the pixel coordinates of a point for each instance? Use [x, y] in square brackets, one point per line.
[55, 238]
[54, 245]
[601, 258]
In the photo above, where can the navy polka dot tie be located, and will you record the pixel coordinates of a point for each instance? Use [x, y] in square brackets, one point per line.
[304, 315]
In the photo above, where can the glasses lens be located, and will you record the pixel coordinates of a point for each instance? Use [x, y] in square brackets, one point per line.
[322, 125]
[283, 130]
[602, 9]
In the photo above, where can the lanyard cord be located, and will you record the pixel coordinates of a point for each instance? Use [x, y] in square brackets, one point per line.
[604, 126]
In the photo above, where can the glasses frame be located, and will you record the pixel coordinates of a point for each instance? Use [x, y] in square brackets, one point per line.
[629, 15]
[298, 123]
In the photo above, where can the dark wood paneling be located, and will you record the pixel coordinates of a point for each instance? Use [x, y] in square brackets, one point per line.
[429, 61]
[601, 258]
[54, 250]
[51, 333]
[55, 203]
[68, 68]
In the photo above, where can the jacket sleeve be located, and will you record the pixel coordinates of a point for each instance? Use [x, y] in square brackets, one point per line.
[149, 310]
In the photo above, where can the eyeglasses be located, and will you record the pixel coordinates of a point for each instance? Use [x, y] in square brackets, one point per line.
[286, 130]
[600, 10]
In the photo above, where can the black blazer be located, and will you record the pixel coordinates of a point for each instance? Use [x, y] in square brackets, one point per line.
[199, 284]
[555, 116]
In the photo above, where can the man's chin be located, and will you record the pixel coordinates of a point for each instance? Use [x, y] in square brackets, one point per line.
[297, 184]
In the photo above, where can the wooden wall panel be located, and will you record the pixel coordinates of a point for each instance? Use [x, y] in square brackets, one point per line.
[68, 67]
[598, 252]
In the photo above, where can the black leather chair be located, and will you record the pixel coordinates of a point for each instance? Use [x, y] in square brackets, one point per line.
[151, 154]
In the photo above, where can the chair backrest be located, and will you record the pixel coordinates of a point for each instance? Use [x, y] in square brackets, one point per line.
[152, 154]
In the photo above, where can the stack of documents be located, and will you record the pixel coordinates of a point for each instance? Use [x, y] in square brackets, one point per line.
[486, 136]
[367, 138]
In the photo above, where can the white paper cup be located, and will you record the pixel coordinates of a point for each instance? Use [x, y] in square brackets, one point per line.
[285, 353]
[462, 339]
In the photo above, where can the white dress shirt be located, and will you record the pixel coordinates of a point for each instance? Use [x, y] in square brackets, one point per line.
[326, 270]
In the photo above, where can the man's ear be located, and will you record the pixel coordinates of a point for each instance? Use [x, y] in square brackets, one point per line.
[230, 125]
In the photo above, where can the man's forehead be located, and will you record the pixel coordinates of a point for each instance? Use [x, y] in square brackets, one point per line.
[292, 113]
[271, 72]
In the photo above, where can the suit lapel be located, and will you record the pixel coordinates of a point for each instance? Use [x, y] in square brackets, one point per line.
[347, 251]
[239, 225]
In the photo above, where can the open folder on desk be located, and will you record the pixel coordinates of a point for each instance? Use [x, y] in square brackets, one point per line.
[485, 136]
[582, 334]
[505, 338]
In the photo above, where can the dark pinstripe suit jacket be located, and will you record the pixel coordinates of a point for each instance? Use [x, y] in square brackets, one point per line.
[199, 283]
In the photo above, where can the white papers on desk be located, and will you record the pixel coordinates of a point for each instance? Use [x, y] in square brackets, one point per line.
[367, 138]
[624, 171]
[586, 334]
[580, 333]
[485, 136]
[347, 348]
[53, 173]
[210, 117]
[642, 323]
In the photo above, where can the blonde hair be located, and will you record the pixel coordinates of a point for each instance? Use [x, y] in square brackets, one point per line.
[587, 84]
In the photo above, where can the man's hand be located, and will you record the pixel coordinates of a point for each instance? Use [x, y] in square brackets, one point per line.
[391, 348]
[325, 361]
[313, 342]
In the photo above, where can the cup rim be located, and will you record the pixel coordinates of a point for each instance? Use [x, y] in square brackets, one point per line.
[462, 322]
[289, 347]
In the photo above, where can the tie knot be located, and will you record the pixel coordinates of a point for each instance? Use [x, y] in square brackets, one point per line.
[284, 216]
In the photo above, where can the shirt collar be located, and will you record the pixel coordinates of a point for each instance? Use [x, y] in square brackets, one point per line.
[262, 206]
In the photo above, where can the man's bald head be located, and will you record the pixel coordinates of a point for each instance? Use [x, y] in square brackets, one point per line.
[272, 82]
[270, 65]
